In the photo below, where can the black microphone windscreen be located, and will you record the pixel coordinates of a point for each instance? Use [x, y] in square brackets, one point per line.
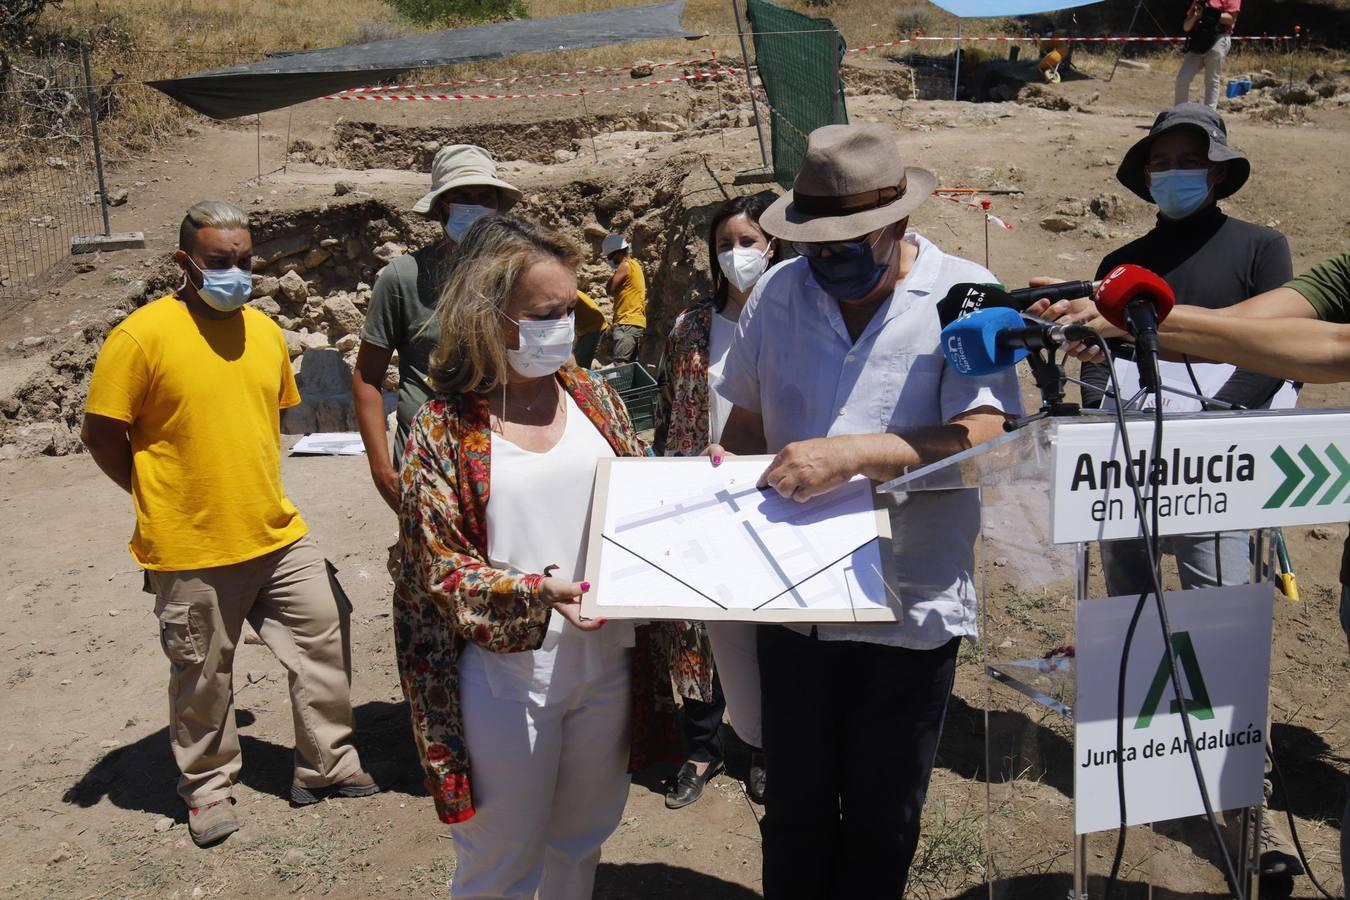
[964, 299]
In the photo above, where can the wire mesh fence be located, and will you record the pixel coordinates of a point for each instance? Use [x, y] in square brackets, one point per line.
[798, 58]
[48, 182]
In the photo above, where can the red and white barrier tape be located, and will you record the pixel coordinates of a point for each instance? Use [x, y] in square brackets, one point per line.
[372, 95]
[981, 205]
[598, 70]
[1104, 39]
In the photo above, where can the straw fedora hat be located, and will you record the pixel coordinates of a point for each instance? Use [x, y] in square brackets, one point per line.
[852, 181]
[464, 165]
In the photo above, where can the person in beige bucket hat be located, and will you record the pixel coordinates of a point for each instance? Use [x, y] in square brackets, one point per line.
[837, 368]
[464, 188]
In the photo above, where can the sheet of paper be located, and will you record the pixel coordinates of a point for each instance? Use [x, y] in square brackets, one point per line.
[332, 443]
[678, 538]
[1211, 376]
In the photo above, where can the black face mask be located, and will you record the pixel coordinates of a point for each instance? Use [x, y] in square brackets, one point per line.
[851, 271]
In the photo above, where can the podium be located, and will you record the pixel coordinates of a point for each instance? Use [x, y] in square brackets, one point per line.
[1051, 493]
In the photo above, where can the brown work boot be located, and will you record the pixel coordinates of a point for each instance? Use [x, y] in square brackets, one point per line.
[357, 785]
[1278, 854]
[212, 823]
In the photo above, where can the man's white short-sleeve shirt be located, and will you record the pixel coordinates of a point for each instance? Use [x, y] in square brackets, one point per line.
[793, 362]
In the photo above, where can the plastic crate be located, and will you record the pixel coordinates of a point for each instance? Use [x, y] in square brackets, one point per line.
[637, 389]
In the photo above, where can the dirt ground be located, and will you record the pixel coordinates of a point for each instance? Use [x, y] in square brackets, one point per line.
[87, 806]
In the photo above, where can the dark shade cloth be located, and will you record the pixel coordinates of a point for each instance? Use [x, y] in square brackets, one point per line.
[286, 79]
[851, 730]
[1213, 260]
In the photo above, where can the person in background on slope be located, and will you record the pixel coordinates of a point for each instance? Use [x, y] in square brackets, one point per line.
[690, 416]
[628, 287]
[1209, 35]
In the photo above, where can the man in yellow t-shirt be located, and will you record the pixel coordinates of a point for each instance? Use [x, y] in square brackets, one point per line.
[591, 326]
[184, 414]
[628, 287]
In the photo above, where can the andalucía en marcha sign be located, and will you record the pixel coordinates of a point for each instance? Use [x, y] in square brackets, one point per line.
[1220, 473]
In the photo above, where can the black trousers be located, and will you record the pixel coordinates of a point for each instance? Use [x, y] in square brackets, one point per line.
[850, 732]
[703, 726]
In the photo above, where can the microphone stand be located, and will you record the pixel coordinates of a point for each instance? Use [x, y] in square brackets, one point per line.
[1050, 379]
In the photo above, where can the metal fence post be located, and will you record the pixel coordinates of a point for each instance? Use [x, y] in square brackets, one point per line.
[749, 83]
[92, 103]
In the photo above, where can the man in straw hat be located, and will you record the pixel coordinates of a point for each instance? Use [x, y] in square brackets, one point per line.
[837, 368]
[464, 188]
[1185, 166]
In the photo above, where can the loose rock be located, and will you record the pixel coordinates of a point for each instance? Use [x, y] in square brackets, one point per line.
[340, 310]
[163, 824]
[1058, 224]
[342, 188]
[118, 197]
[293, 287]
[1108, 207]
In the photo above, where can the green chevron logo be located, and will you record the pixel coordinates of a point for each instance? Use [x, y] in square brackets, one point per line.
[1309, 483]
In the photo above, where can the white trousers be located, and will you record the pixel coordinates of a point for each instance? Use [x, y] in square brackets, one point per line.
[549, 784]
[736, 655]
[1212, 60]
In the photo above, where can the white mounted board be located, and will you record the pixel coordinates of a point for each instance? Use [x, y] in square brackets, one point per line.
[676, 538]
[1222, 642]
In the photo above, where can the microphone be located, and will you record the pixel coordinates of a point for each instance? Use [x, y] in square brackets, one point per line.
[1136, 300]
[964, 299]
[995, 338]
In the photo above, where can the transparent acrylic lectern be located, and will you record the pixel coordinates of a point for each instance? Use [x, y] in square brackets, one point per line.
[1029, 588]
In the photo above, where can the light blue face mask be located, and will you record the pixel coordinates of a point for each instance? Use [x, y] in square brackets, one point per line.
[1179, 192]
[224, 290]
[461, 219]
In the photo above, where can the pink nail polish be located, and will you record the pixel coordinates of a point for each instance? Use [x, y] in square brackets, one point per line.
[585, 586]
[717, 460]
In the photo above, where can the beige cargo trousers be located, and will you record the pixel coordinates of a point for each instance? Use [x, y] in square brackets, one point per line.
[296, 606]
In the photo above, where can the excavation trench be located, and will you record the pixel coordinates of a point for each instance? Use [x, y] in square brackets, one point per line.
[314, 269]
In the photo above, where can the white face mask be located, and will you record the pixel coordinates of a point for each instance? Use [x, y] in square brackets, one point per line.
[743, 265]
[461, 218]
[544, 346]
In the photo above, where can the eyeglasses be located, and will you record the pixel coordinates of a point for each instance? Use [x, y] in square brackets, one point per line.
[814, 250]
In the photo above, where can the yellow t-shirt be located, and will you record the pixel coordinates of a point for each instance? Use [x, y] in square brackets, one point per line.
[203, 398]
[589, 317]
[630, 307]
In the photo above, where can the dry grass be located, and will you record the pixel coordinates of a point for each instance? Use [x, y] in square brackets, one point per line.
[151, 39]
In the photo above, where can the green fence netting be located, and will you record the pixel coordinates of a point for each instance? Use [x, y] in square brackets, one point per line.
[798, 58]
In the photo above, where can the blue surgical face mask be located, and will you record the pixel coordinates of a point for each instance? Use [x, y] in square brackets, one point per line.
[1179, 192]
[851, 271]
[224, 290]
[461, 218]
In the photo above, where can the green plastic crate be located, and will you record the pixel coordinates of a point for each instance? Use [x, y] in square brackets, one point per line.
[637, 389]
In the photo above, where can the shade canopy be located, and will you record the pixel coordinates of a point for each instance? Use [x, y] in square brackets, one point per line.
[988, 9]
[285, 79]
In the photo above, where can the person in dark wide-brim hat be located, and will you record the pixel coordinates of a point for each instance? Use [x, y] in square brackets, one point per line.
[1185, 166]
[837, 368]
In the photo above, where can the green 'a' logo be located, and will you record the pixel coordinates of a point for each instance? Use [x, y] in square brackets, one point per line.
[1199, 705]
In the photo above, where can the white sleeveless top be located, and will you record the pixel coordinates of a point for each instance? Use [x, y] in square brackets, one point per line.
[538, 515]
